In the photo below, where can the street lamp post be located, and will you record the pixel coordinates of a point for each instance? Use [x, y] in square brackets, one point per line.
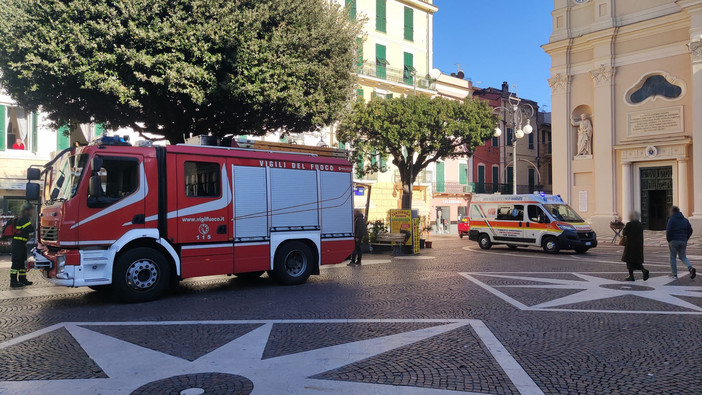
[519, 113]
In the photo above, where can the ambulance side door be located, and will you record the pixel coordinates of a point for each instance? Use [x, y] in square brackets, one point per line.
[509, 223]
[537, 224]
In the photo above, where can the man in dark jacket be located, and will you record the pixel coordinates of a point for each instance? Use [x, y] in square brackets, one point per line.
[360, 230]
[24, 227]
[678, 232]
[634, 248]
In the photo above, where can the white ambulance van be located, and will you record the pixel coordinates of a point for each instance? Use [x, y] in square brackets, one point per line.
[528, 220]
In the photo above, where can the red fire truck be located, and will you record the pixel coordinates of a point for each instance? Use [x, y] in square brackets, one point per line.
[134, 220]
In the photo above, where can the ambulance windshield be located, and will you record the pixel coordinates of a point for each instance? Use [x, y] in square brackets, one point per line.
[563, 212]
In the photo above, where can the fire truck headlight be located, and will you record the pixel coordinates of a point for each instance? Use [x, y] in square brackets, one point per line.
[61, 262]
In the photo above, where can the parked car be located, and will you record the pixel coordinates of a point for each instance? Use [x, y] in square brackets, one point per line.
[464, 227]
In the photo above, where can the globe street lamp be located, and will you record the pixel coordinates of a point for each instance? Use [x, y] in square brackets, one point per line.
[520, 120]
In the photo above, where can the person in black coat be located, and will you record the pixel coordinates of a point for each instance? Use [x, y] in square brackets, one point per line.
[634, 247]
[360, 230]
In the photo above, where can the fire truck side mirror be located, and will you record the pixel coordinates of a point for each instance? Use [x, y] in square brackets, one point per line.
[95, 187]
[96, 164]
[31, 191]
[33, 174]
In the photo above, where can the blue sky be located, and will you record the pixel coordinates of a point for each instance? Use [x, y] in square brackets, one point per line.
[495, 41]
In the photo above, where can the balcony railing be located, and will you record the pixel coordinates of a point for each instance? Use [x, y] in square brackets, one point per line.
[396, 75]
[484, 187]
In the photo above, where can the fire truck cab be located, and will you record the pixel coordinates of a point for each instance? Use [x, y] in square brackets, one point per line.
[528, 220]
[135, 220]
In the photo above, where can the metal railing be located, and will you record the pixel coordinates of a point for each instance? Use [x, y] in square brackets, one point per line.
[396, 75]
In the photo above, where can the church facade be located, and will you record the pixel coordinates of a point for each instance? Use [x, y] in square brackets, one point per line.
[626, 82]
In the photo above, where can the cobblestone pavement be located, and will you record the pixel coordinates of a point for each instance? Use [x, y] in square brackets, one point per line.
[467, 321]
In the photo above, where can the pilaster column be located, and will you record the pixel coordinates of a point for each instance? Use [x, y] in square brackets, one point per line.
[561, 136]
[627, 198]
[602, 141]
[682, 185]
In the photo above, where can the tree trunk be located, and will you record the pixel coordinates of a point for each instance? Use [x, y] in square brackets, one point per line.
[406, 196]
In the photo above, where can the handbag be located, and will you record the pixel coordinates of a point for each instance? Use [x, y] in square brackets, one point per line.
[622, 241]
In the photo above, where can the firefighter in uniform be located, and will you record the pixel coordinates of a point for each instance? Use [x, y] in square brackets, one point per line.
[24, 228]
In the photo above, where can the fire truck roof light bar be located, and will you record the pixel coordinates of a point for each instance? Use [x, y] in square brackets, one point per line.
[250, 149]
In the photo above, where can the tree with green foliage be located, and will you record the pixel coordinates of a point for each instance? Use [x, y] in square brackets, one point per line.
[415, 131]
[174, 67]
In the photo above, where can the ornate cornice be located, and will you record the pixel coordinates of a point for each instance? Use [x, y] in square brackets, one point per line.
[695, 47]
[602, 75]
[559, 82]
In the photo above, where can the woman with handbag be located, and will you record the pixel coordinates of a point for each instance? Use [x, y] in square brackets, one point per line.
[633, 242]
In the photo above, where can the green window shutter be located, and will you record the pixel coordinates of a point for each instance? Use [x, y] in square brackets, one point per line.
[62, 140]
[99, 129]
[388, 96]
[531, 141]
[342, 145]
[359, 94]
[495, 175]
[407, 77]
[35, 131]
[510, 176]
[462, 173]
[351, 8]
[359, 52]
[440, 183]
[409, 24]
[380, 13]
[359, 166]
[2, 128]
[383, 164]
[380, 61]
[480, 187]
[495, 141]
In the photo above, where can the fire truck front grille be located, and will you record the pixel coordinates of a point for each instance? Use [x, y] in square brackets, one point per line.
[49, 233]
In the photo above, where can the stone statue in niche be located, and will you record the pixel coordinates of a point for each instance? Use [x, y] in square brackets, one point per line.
[584, 126]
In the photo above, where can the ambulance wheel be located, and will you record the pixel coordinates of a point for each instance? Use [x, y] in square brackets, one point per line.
[140, 274]
[293, 263]
[484, 241]
[250, 275]
[512, 246]
[551, 245]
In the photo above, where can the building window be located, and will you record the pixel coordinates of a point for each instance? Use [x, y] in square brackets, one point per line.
[351, 9]
[480, 186]
[495, 141]
[202, 179]
[652, 87]
[381, 62]
[495, 178]
[409, 24]
[359, 53]
[509, 136]
[408, 71]
[440, 179]
[18, 129]
[531, 141]
[380, 15]
[463, 173]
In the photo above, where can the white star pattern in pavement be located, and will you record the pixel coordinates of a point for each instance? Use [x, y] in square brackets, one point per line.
[129, 366]
[592, 288]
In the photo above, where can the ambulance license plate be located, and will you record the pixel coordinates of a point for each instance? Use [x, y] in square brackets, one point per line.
[587, 243]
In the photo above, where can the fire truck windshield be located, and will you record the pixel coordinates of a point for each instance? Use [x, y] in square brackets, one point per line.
[563, 212]
[66, 175]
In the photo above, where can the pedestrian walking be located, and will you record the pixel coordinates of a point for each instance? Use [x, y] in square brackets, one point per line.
[360, 231]
[678, 232]
[633, 240]
[24, 228]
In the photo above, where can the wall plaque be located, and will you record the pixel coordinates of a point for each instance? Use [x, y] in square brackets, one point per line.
[662, 121]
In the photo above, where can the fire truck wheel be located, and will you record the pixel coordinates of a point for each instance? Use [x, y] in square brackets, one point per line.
[140, 275]
[293, 263]
[551, 246]
[484, 241]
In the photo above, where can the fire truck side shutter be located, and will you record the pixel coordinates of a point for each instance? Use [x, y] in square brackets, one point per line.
[337, 203]
[294, 199]
[250, 202]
